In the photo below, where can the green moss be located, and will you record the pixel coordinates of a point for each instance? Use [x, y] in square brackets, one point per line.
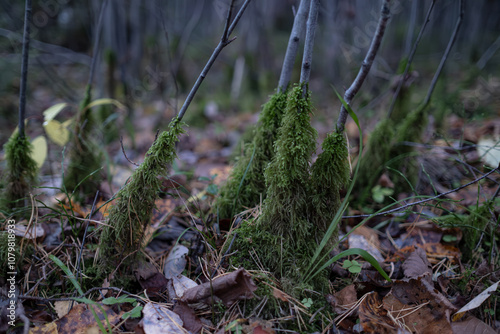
[21, 172]
[246, 187]
[374, 160]
[85, 156]
[475, 225]
[132, 210]
[288, 174]
[330, 174]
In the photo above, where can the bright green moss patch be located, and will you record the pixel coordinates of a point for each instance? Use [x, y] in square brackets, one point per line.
[330, 174]
[132, 211]
[246, 185]
[21, 173]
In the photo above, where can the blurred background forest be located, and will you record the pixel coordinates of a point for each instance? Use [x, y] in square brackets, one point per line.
[151, 52]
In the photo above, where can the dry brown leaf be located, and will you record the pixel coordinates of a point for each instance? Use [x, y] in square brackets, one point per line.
[191, 322]
[417, 265]
[373, 318]
[471, 325]
[80, 319]
[228, 288]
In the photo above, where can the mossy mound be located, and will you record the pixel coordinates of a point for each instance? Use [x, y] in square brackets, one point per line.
[246, 187]
[330, 174]
[373, 162]
[21, 172]
[129, 216]
[85, 157]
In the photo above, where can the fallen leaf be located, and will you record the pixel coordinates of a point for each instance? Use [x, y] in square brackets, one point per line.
[471, 325]
[191, 322]
[176, 261]
[345, 299]
[374, 318]
[57, 132]
[229, 288]
[62, 307]
[81, 319]
[150, 279]
[160, 320]
[476, 302]
[417, 265]
[39, 152]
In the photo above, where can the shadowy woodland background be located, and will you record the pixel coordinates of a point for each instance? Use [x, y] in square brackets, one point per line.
[152, 51]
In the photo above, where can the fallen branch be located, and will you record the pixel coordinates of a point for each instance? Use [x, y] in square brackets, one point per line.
[427, 199]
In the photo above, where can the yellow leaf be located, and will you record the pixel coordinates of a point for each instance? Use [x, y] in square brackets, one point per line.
[39, 153]
[57, 132]
[50, 113]
[99, 102]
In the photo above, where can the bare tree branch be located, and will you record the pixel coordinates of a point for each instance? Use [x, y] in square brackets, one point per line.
[312, 22]
[299, 24]
[446, 52]
[410, 57]
[24, 68]
[385, 13]
[97, 41]
[224, 41]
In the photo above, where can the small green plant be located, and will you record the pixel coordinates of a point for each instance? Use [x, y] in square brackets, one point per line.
[353, 266]
[307, 302]
[134, 205]
[379, 193]
[87, 301]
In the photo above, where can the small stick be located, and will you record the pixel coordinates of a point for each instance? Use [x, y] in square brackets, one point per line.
[24, 68]
[427, 199]
[410, 58]
[224, 41]
[312, 22]
[299, 24]
[385, 13]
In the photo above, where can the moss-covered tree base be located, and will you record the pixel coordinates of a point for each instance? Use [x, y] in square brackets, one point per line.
[122, 240]
[21, 173]
[246, 185]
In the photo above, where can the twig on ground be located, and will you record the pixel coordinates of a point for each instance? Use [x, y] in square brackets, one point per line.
[224, 41]
[427, 199]
[410, 57]
[385, 14]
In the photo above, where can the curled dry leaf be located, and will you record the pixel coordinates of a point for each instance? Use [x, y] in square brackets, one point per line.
[228, 288]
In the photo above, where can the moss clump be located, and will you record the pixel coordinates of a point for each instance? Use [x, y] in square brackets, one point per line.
[373, 162]
[21, 173]
[85, 156]
[288, 175]
[246, 186]
[330, 174]
[476, 224]
[132, 211]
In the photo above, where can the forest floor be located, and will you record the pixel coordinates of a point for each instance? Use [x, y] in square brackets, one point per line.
[189, 284]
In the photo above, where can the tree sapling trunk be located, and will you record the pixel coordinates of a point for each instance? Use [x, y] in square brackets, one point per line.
[122, 240]
[246, 187]
[21, 172]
